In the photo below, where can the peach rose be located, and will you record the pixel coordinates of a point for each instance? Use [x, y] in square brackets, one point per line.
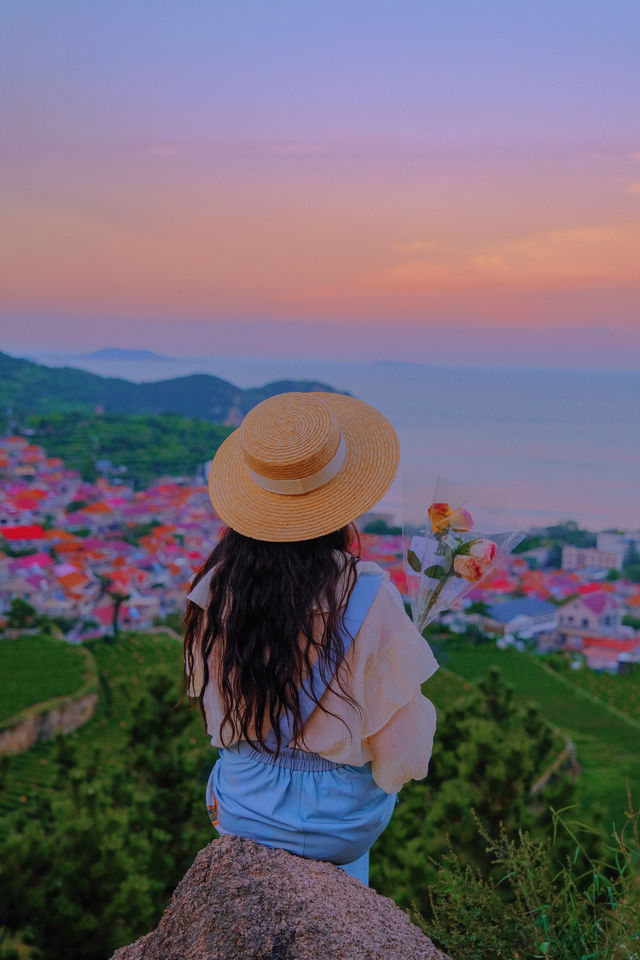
[483, 550]
[470, 568]
[439, 514]
[460, 519]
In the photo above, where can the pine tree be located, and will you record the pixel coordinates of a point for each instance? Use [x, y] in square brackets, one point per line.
[488, 754]
[93, 866]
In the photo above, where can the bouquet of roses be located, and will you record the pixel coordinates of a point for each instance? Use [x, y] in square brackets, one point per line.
[466, 537]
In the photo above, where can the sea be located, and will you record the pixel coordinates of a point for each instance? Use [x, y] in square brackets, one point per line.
[546, 445]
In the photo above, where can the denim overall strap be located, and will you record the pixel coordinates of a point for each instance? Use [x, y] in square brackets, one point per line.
[312, 688]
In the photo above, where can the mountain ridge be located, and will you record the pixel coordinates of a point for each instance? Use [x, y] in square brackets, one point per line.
[117, 353]
[28, 388]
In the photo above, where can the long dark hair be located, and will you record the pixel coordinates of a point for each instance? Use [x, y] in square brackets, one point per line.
[272, 608]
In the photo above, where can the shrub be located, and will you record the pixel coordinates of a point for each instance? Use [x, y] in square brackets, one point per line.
[488, 755]
[588, 908]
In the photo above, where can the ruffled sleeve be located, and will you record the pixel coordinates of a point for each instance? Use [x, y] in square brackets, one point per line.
[402, 748]
[399, 722]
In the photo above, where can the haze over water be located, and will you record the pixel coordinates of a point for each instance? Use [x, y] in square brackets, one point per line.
[558, 444]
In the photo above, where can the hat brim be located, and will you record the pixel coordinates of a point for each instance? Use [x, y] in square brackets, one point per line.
[369, 467]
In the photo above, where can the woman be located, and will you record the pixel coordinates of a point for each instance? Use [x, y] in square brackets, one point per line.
[306, 666]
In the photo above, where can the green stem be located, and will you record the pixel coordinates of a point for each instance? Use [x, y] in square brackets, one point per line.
[423, 621]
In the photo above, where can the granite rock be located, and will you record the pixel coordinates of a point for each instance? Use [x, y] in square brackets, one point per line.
[241, 900]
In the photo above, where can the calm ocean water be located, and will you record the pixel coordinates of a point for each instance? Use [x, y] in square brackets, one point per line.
[558, 445]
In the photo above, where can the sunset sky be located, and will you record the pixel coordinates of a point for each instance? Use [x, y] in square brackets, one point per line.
[457, 182]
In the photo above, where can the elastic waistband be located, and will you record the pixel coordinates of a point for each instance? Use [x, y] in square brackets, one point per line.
[289, 757]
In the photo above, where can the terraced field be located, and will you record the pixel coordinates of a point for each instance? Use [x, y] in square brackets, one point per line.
[622, 691]
[37, 668]
[104, 737]
[607, 740]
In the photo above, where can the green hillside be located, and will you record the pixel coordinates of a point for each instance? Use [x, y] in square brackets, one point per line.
[32, 388]
[140, 447]
[37, 668]
[97, 828]
[125, 669]
[621, 691]
[608, 744]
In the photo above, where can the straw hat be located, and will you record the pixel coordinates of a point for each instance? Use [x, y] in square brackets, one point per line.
[302, 465]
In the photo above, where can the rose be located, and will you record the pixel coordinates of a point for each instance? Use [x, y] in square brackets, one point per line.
[442, 518]
[450, 558]
[470, 568]
[438, 515]
[483, 550]
[475, 561]
[461, 520]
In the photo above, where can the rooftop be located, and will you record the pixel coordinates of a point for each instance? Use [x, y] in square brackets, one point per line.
[521, 607]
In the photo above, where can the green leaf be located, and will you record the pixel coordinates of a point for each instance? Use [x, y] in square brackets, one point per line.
[463, 549]
[413, 561]
[436, 572]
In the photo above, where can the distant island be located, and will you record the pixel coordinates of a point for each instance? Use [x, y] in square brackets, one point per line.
[115, 353]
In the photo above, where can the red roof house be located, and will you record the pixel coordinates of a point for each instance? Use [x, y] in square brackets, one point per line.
[27, 531]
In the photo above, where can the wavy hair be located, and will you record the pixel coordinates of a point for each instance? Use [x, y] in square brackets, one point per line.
[273, 607]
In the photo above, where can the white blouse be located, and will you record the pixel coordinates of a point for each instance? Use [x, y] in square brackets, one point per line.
[387, 664]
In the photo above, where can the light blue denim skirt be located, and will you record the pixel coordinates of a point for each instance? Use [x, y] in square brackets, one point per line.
[300, 802]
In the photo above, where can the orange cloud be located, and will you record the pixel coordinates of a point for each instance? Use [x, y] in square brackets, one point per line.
[589, 255]
[294, 230]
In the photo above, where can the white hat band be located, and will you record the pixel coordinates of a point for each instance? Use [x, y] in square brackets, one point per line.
[293, 486]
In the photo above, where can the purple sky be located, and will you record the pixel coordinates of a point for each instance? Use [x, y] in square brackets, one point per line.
[456, 181]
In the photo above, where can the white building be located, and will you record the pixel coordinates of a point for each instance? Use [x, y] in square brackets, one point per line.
[578, 558]
[592, 613]
[618, 543]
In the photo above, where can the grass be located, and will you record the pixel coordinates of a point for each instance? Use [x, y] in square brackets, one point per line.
[37, 668]
[608, 745]
[444, 687]
[621, 691]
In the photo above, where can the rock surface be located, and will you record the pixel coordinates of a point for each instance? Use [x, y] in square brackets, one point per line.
[43, 722]
[243, 901]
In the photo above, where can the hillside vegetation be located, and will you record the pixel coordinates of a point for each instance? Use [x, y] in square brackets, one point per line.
[32, 388]
[96, 829]
[35, 669]
[607, 741]
[620, 691]
[139, 447]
